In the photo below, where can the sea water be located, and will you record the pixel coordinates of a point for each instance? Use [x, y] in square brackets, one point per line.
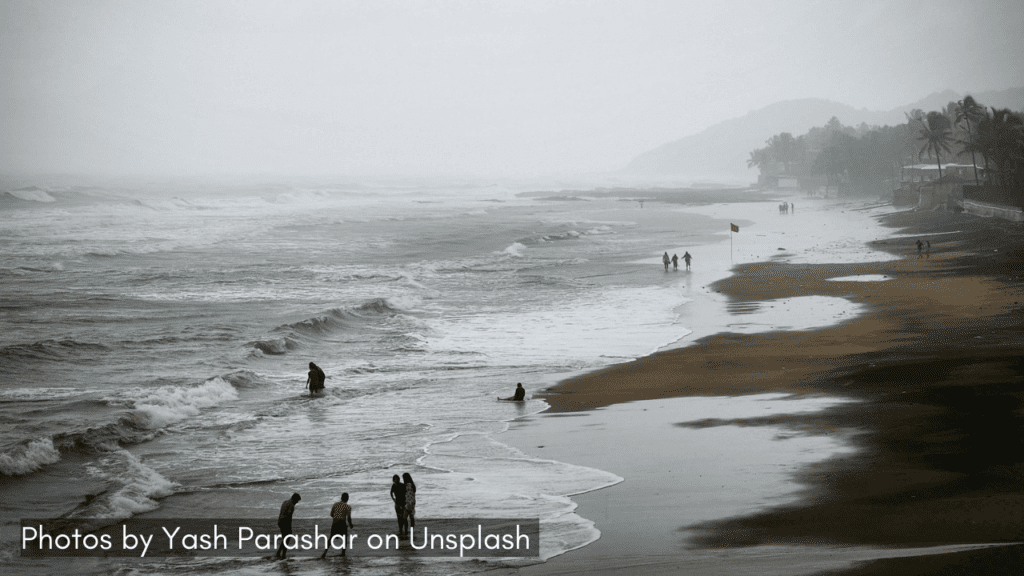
[156, 339]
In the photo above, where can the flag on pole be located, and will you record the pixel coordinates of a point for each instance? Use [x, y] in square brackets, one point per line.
[734, 227]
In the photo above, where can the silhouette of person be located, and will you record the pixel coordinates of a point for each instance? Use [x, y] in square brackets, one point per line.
[315, 381]
[928, 249]
[919, 245]
[398, 497]
[410, 501]
[665, 260]
[675, 262]
[686, 258]
[518, 396]
[792, 207]
[341, 516]
[284, 522]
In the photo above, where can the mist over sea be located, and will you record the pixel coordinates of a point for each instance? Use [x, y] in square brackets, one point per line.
[156, 342]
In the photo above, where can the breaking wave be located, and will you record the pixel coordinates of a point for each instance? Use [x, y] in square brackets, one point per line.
[288, 337]
[150, 411]
[28, 457]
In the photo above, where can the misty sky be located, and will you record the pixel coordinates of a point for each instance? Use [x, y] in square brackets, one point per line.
[454, 87]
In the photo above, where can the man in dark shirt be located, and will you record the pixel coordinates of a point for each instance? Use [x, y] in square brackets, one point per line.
[398, 495]
[284, 522]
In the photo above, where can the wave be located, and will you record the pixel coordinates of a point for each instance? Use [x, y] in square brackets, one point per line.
[37, 269]
[28, 457]
[288, 337]
[150, 411]
[171, 404]
[135, 488]
[31, 194]
[51, 350]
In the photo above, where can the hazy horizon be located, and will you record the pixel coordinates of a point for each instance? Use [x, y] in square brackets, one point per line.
[453, 88]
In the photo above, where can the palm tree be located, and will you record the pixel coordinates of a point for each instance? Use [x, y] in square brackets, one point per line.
[967, 110]
[936, 136]
[1004, 139]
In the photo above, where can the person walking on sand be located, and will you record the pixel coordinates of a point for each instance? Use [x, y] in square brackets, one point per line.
[665, 260]
[398, 497]
[341, 516]
[919, 245]
[410, 501]
[928, 249]
[315, 380]
[675, 262]
[284, 522]
[686, 258]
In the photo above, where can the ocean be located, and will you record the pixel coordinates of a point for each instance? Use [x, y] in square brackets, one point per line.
[156, 339]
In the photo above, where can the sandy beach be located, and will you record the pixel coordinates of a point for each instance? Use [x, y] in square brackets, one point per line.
[911, 465]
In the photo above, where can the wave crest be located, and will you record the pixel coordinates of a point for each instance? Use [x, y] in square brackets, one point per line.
[28, 457]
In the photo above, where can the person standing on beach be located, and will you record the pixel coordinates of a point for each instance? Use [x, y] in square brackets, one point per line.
[665, 260]
[315, 380]
[686, 258]
[675, 262]
[410, 501]
[928, 249]
[341, 516]
[398, 497]
[284, 522]
[919, 245]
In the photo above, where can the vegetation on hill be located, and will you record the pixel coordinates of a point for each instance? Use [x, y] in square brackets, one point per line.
[861, 159]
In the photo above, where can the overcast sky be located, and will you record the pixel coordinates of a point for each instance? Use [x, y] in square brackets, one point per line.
[454, 87]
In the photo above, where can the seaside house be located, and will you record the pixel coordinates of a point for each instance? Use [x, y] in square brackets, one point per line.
[921, 185]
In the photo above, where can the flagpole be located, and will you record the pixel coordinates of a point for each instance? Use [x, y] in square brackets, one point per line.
[732, 228]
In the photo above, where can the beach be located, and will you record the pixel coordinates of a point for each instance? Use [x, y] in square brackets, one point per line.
[923, 471]
[702, 419]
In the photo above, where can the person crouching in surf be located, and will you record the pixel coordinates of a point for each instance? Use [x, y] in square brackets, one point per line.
[519, 396]
[315, 382]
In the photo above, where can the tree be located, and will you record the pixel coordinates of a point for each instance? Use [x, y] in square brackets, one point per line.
[936, 136]
[1001, 138]
[968, 110]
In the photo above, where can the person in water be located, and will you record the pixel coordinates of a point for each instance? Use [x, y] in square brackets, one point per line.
[675, 262]
[284, 522]
[519, 395]
[398, 497]
[315, 381]
[410, 501]
[341, 516]
[686, 258]
[665, 260]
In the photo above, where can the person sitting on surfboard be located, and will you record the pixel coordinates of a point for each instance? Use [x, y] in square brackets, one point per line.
[315, 382]
[519, 396]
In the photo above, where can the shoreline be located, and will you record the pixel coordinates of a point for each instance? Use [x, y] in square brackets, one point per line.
[936, 318]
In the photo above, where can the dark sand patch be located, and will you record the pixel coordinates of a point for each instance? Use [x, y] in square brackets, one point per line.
[936, 364]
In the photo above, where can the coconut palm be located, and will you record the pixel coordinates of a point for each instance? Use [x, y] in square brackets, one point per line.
[936, 136]
[966, 111]
[1002, 138]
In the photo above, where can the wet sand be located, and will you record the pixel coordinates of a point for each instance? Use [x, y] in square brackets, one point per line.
[935, 368]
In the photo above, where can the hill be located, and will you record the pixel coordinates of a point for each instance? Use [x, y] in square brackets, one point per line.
[722, 150]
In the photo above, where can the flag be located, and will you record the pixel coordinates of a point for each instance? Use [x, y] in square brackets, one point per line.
[734, 227]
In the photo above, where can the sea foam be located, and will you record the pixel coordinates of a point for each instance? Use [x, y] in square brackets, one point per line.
[170, 404]
[28, 457]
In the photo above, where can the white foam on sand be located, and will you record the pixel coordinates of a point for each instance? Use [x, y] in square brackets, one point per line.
[862, 278]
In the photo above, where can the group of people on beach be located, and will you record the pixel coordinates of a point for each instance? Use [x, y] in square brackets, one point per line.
[786, 207]
[674, 260]
[402, 493]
